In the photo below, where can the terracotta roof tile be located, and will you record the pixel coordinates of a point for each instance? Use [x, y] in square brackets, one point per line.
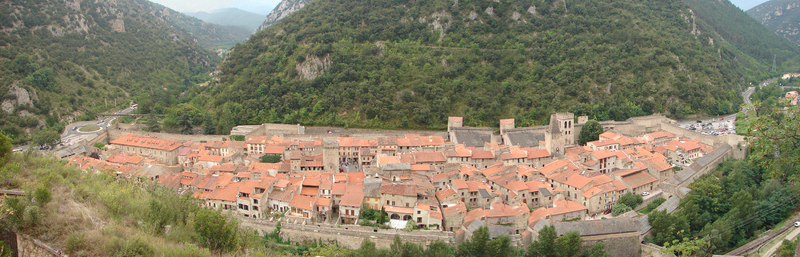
[303, 202]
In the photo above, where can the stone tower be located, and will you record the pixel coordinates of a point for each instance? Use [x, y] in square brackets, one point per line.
[330, 156]
[560, 132]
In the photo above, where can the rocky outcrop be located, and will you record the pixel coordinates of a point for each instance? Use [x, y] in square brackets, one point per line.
[283, 9]
[23, 98]
[313, 66]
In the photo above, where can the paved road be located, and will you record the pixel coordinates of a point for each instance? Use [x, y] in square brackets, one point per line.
[72, 134]
[790, 237]
[764, 238]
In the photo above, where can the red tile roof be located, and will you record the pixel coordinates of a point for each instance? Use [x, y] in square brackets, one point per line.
[455, 209]
[565, 206]
[353, 196]
[444, 193]
[429, 157]
[147, 142]
[303, 202]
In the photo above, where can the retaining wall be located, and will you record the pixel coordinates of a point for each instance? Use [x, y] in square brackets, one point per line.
[347, 236]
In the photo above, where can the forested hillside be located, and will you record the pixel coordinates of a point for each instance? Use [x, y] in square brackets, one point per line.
[780, 16]
[383, 63]
[58, 59]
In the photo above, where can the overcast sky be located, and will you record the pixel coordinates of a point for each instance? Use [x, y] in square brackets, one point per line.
[256, 6]
[265, 6]
[747, 4]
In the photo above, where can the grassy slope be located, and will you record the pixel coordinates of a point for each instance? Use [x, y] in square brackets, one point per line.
[96, 214]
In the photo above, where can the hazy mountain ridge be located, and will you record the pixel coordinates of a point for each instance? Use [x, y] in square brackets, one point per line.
[780, 16]
[231, 17]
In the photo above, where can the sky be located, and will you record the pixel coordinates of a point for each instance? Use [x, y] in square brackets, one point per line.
[256, 6]
[747, 4]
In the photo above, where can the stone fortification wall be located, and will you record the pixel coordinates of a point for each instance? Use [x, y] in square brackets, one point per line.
[114, 134]
[347, 236]
[700, 167]
[616, 245]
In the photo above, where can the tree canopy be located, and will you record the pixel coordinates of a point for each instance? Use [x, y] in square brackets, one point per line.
[590, 132]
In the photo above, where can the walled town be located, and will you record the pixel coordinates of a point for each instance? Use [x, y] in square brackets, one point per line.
[514, 182]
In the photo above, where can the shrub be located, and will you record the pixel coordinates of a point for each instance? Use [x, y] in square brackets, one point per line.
[631, 200]
[270, 158]
[619, 209]
[130, 248]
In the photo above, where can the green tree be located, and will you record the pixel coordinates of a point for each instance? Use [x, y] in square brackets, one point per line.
[215, 230]
[500, 247]
[439, 248]
[475, 246]
[590, 132]
[367, 248]
[24, 64]
[185, 124]
[209, 125]
[619, 209]
[686, 247]
[152, 123]
[545, 244]
[5, 149]
[569, 244]
[45, 137]
[598, 249]
[666, 227]
[775, 137]
[43, 79]
[41, 195]
[631, 200]
[787, 248]
[383, 217]
[269, 158]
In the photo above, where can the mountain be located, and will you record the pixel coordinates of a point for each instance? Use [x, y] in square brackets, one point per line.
[62, 60]
[781, 16]
[232, 17]
[284, 8]
[401, 63]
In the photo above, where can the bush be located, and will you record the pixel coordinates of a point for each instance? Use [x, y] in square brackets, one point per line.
[619, 209]
[653, 205]
[130, 248]
[270, 158]
[631, 200]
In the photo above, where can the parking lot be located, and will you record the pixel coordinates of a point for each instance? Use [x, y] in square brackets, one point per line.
[714, 126]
